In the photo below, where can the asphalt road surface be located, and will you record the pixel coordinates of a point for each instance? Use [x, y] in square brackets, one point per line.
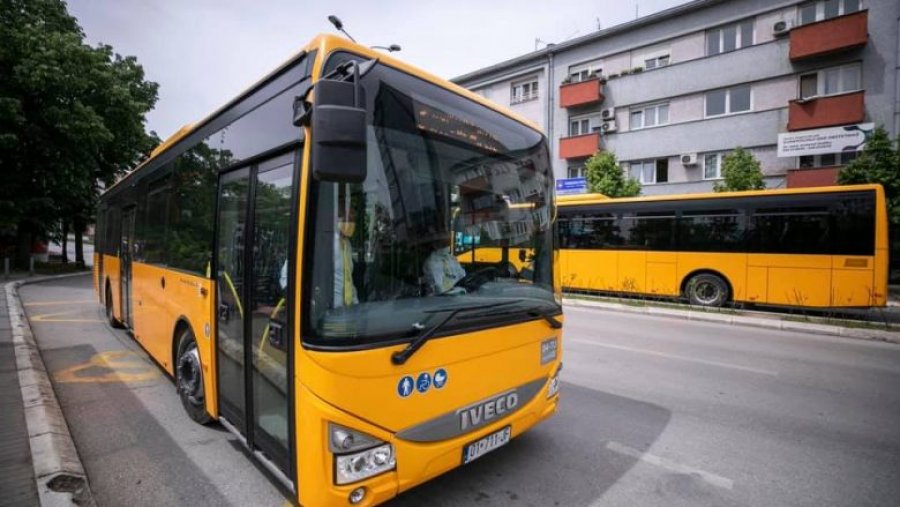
[654, 411]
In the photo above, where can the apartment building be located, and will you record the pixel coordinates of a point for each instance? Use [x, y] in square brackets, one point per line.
[797, 83]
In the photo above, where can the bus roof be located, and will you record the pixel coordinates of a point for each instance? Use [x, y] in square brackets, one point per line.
[326, 44]
[602, 199]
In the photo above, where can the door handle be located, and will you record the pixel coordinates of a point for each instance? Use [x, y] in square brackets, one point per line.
[162, 282]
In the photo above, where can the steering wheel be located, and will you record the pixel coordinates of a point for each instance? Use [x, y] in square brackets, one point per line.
[468, 282]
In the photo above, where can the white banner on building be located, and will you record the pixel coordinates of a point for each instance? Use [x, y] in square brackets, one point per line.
[827, 140]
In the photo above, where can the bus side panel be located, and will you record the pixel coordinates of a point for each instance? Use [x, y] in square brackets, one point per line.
[757, 284]
[590, 269]
[880, 283]
[112, 272]
[632, 272]
[852, 282]
[661, 267]
[733, 266]
[796, 280]
[97, 273]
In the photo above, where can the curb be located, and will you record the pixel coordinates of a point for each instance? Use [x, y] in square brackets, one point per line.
[58, 471]
[741, 320]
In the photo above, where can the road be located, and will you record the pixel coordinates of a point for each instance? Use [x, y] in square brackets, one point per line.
[654, 412]
[87, 249]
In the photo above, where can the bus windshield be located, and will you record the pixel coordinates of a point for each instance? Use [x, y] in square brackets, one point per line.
[440, 167]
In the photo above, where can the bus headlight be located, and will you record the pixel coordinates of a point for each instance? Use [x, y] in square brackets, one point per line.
[358, 456]
[361, 465]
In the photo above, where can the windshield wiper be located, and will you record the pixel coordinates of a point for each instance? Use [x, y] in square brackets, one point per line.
[401, 356]
[546, 315]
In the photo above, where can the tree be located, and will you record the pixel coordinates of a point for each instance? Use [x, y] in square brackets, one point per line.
[879, 162]
[606, 177]
[71, 120]
[740, 171]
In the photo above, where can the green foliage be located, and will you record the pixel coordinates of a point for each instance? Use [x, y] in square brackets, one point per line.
[71, 118]
[740, 171]
[879, 162]
[606, 177]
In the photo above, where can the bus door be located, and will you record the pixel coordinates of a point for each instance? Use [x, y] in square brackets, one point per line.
[253, 309]
[127, 253]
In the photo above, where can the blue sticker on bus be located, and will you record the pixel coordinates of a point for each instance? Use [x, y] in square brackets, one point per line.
[423, 382]
[405, 386]
[440, 378]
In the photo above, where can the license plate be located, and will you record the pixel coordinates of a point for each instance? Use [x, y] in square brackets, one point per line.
[485, 445]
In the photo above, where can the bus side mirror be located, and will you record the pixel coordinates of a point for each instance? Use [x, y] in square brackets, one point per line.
[339, 132]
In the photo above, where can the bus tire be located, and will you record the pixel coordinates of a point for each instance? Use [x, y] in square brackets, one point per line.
[110, 314]
[189, 378]
[706, 289]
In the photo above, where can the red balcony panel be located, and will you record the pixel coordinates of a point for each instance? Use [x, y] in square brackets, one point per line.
[579, 94]
[579, 146]
[827, 111]
[830, 36]
[818, 177]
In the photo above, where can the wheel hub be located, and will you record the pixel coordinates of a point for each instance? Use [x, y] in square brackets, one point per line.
[190, 379]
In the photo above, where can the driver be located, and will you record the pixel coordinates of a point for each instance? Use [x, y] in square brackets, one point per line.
[441, 269]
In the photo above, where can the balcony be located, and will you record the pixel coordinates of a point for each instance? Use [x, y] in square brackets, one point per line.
[827, 111]
[817, 177]
[830, 36]
[581, 146]
[582, 93]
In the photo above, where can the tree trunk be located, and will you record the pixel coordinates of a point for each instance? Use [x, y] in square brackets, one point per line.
[65, 242]
[24, 238]
[78, 225]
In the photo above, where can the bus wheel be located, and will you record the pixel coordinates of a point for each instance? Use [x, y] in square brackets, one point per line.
[707, 290]
[189, 378]
[110, 315]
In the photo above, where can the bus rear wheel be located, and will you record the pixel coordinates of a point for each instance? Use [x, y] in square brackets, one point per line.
[189, 378]
[707, 289]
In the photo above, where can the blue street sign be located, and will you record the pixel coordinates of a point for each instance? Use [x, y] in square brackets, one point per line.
[571, 186]
[423, 382]
[405, 386]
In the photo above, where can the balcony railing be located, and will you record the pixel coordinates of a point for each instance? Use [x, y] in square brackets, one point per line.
[581, 146]
[830, 36]
[827, 111]
[582, 93]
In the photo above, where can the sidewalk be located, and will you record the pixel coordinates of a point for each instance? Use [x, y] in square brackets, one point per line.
[39, 464]
[16, 469]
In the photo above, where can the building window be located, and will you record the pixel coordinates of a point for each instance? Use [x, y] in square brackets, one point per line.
[736, 99]
[843, 79]
[712, 166]
[649, 116]
[827, 159]
[576, 171]
[524, 91]
[582, 126]
[649, 172]
[657, 62]
[821, 10]
[729, 37]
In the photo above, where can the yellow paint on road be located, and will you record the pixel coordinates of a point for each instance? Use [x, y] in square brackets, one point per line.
[111, 366]
[51, 317]
[53, 303]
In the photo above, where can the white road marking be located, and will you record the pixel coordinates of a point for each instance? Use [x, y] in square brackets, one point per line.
[672, 466]
[680, 358]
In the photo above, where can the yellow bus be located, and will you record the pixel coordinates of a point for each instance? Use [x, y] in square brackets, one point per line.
[806, 247]
[274, 259]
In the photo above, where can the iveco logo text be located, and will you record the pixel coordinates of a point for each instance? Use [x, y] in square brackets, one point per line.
[483, 412]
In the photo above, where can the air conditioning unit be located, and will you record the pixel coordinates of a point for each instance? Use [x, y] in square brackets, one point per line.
[689, 159]
[608, 114]
[608, 126]
[781, 28]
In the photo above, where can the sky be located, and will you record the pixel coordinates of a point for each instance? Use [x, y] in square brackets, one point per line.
[205, 52]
